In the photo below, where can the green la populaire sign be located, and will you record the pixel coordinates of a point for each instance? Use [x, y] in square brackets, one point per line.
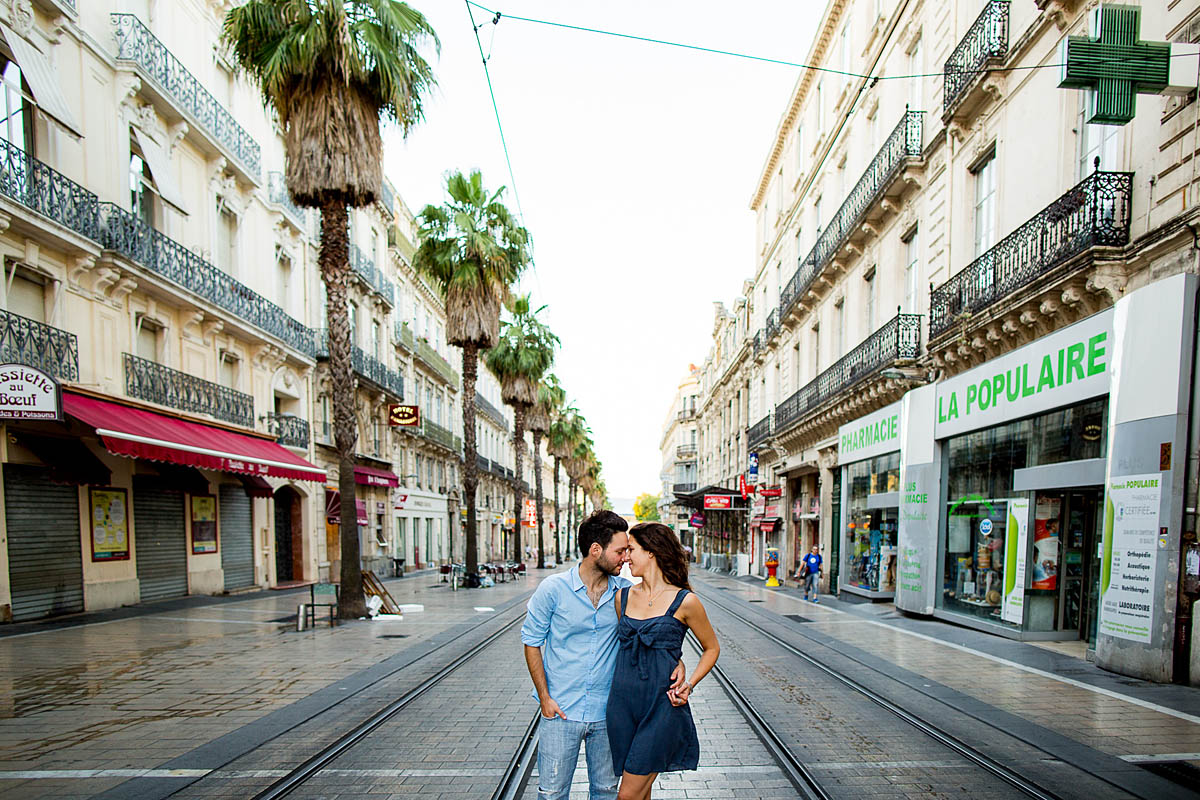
[869, 436]
[1064, 368]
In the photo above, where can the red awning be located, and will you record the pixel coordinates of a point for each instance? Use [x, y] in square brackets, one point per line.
[756, 522]
[138, 433]
[360, 506]
[333, 508]
[367, 476]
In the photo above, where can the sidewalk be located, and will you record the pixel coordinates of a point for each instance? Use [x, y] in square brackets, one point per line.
[134, 688]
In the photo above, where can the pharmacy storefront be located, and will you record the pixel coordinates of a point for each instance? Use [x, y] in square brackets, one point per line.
[869, 455]
[1001, 527]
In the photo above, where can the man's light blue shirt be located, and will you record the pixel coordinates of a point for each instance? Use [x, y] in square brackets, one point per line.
[578, 641]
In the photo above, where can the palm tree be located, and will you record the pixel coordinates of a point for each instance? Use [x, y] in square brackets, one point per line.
[577, 467]
[550, 397]
[473, 251]
[519, 360]
[566, 431]
[330, 69]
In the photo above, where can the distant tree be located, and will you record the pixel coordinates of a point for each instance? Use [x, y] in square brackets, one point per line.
[645, 507]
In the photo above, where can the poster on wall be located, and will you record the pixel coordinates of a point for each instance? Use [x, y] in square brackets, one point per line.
[110, 525]
[1047, 513]
[1127, 573]
[1016, 542]
[204, 524]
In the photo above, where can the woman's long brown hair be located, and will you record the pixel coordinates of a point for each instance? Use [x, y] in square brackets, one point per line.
[656, 538]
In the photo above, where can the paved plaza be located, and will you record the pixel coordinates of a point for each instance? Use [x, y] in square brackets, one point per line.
[220, 697]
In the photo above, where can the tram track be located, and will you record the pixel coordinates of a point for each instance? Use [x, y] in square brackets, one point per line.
[956, 745]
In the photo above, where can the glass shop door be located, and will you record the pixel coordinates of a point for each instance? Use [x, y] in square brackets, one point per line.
[1064, 558]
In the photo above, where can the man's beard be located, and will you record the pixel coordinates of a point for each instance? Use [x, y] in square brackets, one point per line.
[608, 567]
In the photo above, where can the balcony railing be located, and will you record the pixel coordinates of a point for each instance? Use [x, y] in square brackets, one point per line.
[1095, 212]
[280, 196]
[772, 324]
[987, 39]
[364, 365]
[434, 361]
[760, 341]
[137, 241]
[404, 337]
[439, 435]
[683, 488]
[289, 430]
[487, 408]
[903, 143]
[685, 414]
[760, 431]
[35, 344]
[686, 452]
[146, 380]
[136, 43]
[48, 192]
[372, 275]
[899, 338]
[387, 197]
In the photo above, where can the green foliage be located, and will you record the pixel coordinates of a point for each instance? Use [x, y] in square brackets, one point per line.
[524, 353]
[645, 507]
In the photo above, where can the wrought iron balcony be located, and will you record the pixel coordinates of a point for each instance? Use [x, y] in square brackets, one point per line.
[482, 463]
[147, 380]
[760, 342]
[686, 452]
[434, 361]
[987, 39]
[404, 337]
[439, 435]
[685, 414]
[122, 232]
[35, 344]
[683, 488]
[899, 338]
[494, 413]
[289, 430]
[903, 143]
[48, 192]
[279, 195]
[773, 324]
[371, 275]
[136, 44]
[1093, 213]
[364, 365]
[761, 431]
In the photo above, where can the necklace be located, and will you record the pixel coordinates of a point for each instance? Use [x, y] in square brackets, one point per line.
[655, 596]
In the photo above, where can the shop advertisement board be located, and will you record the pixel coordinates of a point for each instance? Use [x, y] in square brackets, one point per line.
[110, 524]
[873, 435]
[28, 393]
[920, 476]
[1016, 542]
[204, 524]
[1130, 558]
[1046, 542]
[718, 501]
[1066, 367]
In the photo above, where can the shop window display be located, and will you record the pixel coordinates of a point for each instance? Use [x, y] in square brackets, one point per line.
[980, 467]
[871, 528]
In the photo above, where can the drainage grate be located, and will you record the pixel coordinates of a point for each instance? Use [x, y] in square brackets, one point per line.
[754, 601]
[797, 618]
[1184, 773]
[393, 636]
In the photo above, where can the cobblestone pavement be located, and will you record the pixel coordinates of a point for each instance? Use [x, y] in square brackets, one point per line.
[90, 706]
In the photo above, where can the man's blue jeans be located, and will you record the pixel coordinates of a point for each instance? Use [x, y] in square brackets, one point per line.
[558, 753]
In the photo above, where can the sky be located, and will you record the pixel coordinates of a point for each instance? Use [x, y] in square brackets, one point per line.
[634, 165]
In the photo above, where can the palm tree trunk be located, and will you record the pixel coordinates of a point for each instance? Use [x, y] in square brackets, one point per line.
[538, 496]
[470, 367]
[557, 519]
[334, 261]
[518, 491]
[572, 520]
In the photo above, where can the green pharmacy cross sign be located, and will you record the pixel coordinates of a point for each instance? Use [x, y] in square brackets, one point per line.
[1115, 65]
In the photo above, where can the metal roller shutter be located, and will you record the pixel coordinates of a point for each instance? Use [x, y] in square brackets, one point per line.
[160, 542]
[45, 563]
[237, 538]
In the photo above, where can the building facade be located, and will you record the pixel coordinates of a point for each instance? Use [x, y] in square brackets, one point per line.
[680, 446]
[971, 326]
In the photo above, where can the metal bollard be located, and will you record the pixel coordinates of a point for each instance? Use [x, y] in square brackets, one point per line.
[300, 616]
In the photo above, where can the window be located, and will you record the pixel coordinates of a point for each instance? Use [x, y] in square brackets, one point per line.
[27, 296]
[228, 369]
[226, 239]
[816, 349]
[799, 149]
[985, 205]
[420, 469]
[869, 279]
[376, 338]
[817, 215]
[352, 309]
[778, 280]
[912, 270]
[1096, 141]
[18, 117]
[285, 282]
[916, 68]
[839, 328]
[141, 190]
[779, 191]
[820, 100]
[845, 48]
[796, 366]
[146, 339]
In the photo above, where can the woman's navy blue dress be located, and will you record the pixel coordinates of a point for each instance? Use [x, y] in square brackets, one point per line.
[648, 734]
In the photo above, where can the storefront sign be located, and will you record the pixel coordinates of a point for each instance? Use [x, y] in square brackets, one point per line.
[772, 510]
[110, 525]
[718, 501]
[403, 415]
[1127, 572]
[28, 393]
[920, 480]
[399, 501]
[745, 490]
[204, 524]
[696, 521]
[753, 469]
[1016, 543]
[529, 518]
[873, 435]
[1061, 369]
[771, 491]
[759, 506]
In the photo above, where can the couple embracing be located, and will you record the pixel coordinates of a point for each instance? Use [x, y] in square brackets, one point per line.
[606, 662]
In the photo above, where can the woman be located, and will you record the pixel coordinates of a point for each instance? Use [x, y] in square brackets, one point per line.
[650, 728]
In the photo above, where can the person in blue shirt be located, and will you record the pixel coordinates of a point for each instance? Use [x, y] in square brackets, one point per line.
[812, 571]
[570, 639]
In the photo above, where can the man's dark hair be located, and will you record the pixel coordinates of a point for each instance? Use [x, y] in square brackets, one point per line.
[599, 528]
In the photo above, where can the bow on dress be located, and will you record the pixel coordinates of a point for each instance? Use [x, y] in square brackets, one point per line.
[647, 636]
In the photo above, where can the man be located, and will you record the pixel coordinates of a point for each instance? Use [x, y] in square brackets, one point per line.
[812, 571]
[570, 638]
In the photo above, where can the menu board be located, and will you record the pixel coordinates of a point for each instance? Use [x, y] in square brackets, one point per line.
[1127, 576]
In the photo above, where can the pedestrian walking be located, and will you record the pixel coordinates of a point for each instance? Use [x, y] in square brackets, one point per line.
[570, 638]
[650, 725]
[810, 570]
